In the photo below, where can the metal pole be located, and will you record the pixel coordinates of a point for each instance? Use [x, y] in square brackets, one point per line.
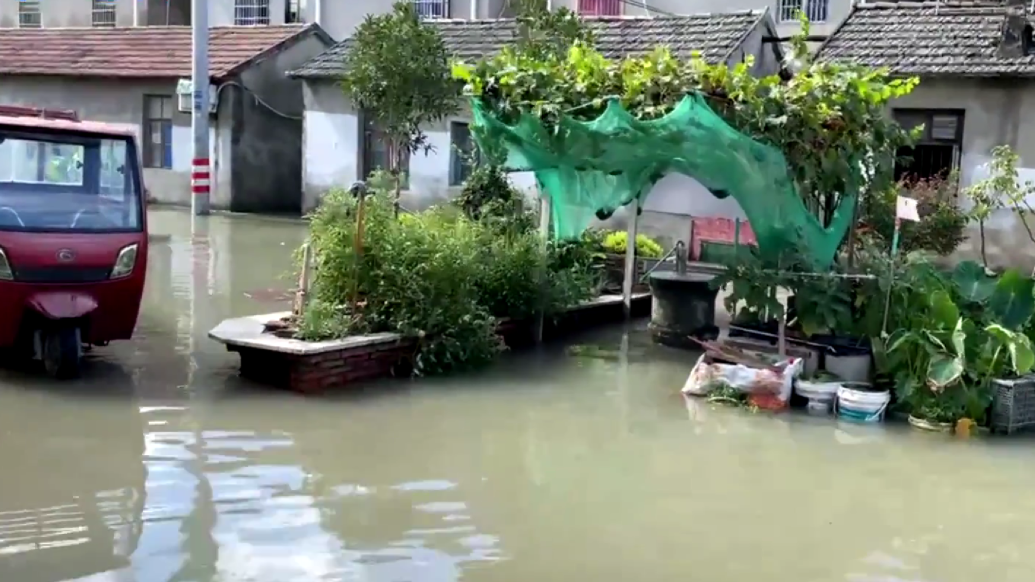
[200, 176]
[630, 259]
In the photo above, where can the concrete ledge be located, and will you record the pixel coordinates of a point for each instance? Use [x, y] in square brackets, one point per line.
[249, 332]
[312, 367]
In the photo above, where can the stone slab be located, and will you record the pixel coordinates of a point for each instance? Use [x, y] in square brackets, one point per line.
[249, 332]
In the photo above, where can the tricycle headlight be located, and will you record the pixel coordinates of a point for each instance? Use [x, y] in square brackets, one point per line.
[125, 262]
[6, 274]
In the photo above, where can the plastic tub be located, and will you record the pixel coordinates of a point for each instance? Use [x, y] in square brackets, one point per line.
[861, 402]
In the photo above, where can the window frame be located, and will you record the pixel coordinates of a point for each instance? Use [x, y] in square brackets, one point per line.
[460, 165]
[165, 131]
[432, 9]
[251, 12]
[293, 11]
[600, 8]
[814, 16]
[105, 9]
[369, 134]
[926, 117]
[29, 14]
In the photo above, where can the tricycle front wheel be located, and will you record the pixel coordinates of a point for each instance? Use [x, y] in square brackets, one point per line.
[62, 352]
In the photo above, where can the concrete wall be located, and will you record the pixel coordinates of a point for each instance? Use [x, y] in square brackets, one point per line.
[123, 102]
[268, 134]
[996, 112]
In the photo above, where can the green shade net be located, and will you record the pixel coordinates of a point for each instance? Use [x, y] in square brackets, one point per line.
[589, 169]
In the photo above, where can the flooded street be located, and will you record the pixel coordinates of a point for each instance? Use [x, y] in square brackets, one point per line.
[162, 466]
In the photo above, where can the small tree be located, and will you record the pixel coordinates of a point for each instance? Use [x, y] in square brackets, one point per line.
[397, 71]
[1001, 189]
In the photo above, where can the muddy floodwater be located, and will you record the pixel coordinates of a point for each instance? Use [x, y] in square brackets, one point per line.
[555, 465]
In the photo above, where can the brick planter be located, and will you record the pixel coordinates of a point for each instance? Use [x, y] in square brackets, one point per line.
[314, 367]
[315, 373]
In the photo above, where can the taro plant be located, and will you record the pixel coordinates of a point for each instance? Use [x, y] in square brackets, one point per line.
[952, 336]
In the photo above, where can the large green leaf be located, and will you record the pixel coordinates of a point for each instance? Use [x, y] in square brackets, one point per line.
[1018, 345]
[959, 339]
[943, 371]
[973, 281]
[1013, 302]
[943, 310]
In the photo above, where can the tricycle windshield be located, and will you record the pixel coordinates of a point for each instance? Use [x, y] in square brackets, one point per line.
[57, 182]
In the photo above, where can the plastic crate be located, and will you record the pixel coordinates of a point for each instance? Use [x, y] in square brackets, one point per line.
[1013, 404]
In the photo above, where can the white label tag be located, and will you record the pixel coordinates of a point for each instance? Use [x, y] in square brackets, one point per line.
[905, 209]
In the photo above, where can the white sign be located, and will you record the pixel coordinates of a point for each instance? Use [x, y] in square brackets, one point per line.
[905, 209]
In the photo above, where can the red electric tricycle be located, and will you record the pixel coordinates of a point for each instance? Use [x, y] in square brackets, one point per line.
[73, 235]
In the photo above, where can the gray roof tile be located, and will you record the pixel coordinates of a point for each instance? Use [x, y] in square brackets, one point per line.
[714, 35]
[931, 39]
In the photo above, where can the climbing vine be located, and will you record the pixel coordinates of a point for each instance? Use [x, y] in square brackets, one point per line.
[829, 119]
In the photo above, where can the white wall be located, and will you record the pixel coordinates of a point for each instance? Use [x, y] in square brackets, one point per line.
[332, 159]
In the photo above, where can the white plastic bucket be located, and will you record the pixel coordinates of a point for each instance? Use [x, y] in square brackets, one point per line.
[855, 402]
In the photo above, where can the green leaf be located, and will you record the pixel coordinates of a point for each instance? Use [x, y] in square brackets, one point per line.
[973, 282]
[943, 310]
[1013, 301]
[943, 371]
[959, 339]
[1018, 345]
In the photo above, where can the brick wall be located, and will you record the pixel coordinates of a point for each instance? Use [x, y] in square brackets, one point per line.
[313, 374]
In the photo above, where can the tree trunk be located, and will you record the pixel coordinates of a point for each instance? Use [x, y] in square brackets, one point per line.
[394, 163]
[981, 232]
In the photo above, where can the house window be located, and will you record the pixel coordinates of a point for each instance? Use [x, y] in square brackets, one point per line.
[462, 153]
[937, 152]
[29, 14]
[432, 8]
[103, 13]
[600, 7]
[158, 112]
[375, 151]
[251, 12]
[817, 10]
[293, 11]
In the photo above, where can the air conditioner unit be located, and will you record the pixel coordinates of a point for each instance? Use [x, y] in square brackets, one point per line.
[185, 97]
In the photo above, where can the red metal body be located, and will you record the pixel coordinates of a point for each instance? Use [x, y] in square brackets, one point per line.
[110, 307]
[67, 272]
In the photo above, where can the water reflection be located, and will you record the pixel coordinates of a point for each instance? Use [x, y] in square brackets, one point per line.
[161, 465]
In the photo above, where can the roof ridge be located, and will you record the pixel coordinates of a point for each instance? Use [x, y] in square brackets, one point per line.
[938, 4]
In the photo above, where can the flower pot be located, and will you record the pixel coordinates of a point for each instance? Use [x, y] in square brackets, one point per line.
[929, 425]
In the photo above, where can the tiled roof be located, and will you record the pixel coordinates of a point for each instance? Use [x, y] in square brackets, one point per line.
[714, 35]
[928, 38]
[151, 51]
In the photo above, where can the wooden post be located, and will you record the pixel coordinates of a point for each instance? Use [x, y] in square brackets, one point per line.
[630, 260]
[303, 280]
[736, 238]
[544, 235]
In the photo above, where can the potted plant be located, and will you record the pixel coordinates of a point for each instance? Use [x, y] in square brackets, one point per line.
[944, 359]
[614, 245]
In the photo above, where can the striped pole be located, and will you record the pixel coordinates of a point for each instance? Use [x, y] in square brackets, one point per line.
[200, 186]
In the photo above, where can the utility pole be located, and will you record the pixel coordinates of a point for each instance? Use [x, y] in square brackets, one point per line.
[200, 176]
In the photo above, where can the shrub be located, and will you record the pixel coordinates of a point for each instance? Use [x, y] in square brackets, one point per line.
[617, 241]
[437, 275]
[942, 222]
